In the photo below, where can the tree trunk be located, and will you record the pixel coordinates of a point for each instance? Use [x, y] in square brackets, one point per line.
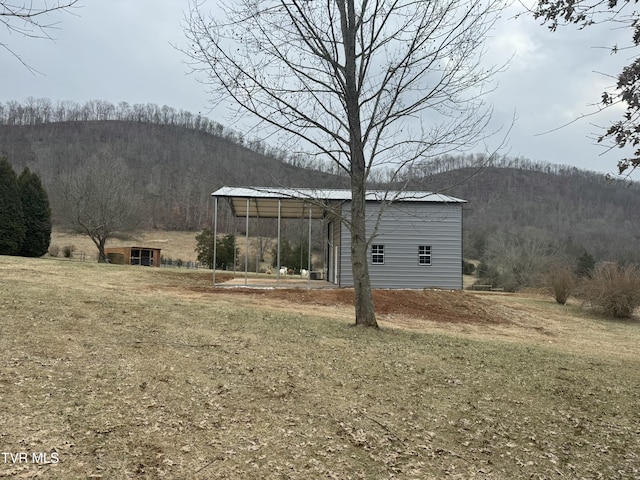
[102, 256]
[363, 296]
[100, 243]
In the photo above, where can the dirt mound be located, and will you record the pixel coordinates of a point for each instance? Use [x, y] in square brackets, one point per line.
[437, 305]
[429, 305]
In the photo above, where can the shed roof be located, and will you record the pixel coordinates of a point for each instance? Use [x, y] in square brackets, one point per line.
[298, 202]
[133, 248]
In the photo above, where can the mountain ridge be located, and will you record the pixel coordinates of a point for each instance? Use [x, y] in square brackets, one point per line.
[177, 168]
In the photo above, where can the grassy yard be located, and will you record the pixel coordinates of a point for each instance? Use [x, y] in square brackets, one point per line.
[174, 245]
[121, 372]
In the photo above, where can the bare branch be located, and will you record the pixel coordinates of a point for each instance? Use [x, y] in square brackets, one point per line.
[622, 14]
[30, 19]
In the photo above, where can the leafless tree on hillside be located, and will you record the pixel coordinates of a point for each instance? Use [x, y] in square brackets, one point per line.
[363, 84]
[522, 258]
[99, 200]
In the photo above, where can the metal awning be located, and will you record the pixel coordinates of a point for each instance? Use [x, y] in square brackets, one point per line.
[264, 202]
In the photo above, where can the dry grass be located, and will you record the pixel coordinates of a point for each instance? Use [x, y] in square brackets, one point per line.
[128, 372]
[175, 245]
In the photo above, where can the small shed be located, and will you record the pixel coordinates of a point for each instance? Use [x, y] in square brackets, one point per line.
[147, 256]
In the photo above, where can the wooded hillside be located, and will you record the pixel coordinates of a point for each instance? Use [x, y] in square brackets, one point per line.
[177, 159]
[580, 210]
[175, 168]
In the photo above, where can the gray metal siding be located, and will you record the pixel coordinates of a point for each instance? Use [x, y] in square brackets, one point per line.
[403, 228]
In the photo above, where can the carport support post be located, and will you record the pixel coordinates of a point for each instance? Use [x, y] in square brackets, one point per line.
[325, 272]
[309, 252]
[215, 236]
[246, 251]
[278, 268]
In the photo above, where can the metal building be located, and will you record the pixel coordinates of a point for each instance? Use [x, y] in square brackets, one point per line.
[418, 240]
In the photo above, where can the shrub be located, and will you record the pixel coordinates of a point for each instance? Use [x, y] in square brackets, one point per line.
[54, 250]
[487, 274]
[585, 265]
[562, 281]
[521, 257]
[614, 290]
[468, 268]
[68, 250]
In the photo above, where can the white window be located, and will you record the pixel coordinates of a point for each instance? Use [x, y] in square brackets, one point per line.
[377, 254]
[424, 255]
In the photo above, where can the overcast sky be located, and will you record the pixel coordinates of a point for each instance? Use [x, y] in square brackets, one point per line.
[121, 50]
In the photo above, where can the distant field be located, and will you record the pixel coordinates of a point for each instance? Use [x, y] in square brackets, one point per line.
[173, 244]
[119, 372]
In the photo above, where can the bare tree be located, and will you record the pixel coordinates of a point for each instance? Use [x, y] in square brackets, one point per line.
[99, 200]
[30, 19]
[522, 258]
[364, 84]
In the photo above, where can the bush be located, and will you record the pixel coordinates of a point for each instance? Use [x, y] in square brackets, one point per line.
[68, 250]
[521, 257]
[488, 275]
[614, 290]
[468, 268]
[54, 250]
[585, 265]
[562, 281]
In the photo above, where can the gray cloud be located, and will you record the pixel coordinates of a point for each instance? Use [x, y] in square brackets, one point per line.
[121, 50]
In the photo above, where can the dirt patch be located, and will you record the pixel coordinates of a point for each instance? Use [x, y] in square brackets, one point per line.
[422, 305]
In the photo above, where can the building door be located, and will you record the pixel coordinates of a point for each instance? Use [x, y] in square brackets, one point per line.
[145, 258]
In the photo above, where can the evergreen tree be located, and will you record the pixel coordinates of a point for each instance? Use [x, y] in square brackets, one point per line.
[295, 258]
[225, 249]
[12, 227]
[226, 252]
[37, 215]
[585, 264]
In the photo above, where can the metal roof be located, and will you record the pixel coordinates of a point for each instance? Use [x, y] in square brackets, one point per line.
[298, 202]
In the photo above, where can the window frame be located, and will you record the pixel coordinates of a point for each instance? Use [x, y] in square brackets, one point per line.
[377, 254]
[423, 255]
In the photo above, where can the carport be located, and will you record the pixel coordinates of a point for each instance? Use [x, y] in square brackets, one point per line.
[278, 203]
